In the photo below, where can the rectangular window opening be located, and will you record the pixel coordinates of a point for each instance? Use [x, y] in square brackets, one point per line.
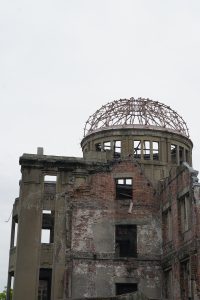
[45, 236]
[168, 286]
[167, 226]
[124, 189]
[107, 146]
[15, 234]
[185, 213]
[187, 155]
[125, 288]
[50, 178]
[10, 285]
[146, 150]
[117, 148]
[44, 286]
[181, 155]
[98, 147]
[47, 231]
[126, 240]
[173, 153]
[137, 149]
[155, 151]
[185, 282]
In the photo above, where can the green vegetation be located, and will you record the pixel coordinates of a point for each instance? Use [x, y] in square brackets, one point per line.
[3, 294]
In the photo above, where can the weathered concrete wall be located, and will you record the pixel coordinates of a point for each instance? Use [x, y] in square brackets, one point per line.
[183, 246]
[130, 296]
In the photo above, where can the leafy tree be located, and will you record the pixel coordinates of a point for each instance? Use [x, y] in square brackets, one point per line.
[3, 294]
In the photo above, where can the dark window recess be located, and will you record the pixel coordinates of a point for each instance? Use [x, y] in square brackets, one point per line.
[173, 154]
[126, 240]
[168, 287]
[146, 150]
[47, 227]
[187, 155]
[137, 149]
[155, 151]
[185, 280]
[124, 188]
[44, 287]
[98, 147]
[117, 148]
[181, 156]
[125, 288]
[107, 146]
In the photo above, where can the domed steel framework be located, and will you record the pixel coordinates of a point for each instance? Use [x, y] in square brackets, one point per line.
[130, 112]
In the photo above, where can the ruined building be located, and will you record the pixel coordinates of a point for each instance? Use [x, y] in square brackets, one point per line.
[125, 218]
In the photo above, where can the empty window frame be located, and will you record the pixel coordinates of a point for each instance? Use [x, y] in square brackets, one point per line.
[146, 150]
[155, 149]
[107, 146]
[181, 155]
[117, 148]
[10, 286]
[137, 149]
[185, 280]
[167, 226]
[187, 155]
[50, 184]
[185, 212]
[126, 240]
[124, 188]
[125, 288]
[98, 147]
[50, 178]
[173, 153]
[47, 232]
[44, 286]
[168, 284]
[14, 232]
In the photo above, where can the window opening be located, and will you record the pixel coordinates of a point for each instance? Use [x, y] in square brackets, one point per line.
[50, 178]
[181, 155]
[44, 287]
[124, 188]
[45, 236]
[168, 286]
[107, 145]
[47, 231]
[10, 285]
[15, 234]
[98, 147]
[155, 151]
[167, 222]
[187, 155]
[126, 240]
[146, 150]
[186, 213]
[124, 288]
[137, 149]
[173, 153]
[117, 148]
[185, 280]
[50, 184]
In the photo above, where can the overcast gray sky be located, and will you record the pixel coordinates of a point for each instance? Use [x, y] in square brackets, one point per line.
[62, 60]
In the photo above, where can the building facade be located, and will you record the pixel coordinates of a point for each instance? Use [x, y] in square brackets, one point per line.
[124, 218]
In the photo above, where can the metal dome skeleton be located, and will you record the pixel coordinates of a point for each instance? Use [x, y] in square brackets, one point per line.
[131, 112]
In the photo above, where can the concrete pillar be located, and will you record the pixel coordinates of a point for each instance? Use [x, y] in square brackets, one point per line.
[29, 232]
[59, 244]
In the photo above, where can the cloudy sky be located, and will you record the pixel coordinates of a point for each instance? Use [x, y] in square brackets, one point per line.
[62, 60]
